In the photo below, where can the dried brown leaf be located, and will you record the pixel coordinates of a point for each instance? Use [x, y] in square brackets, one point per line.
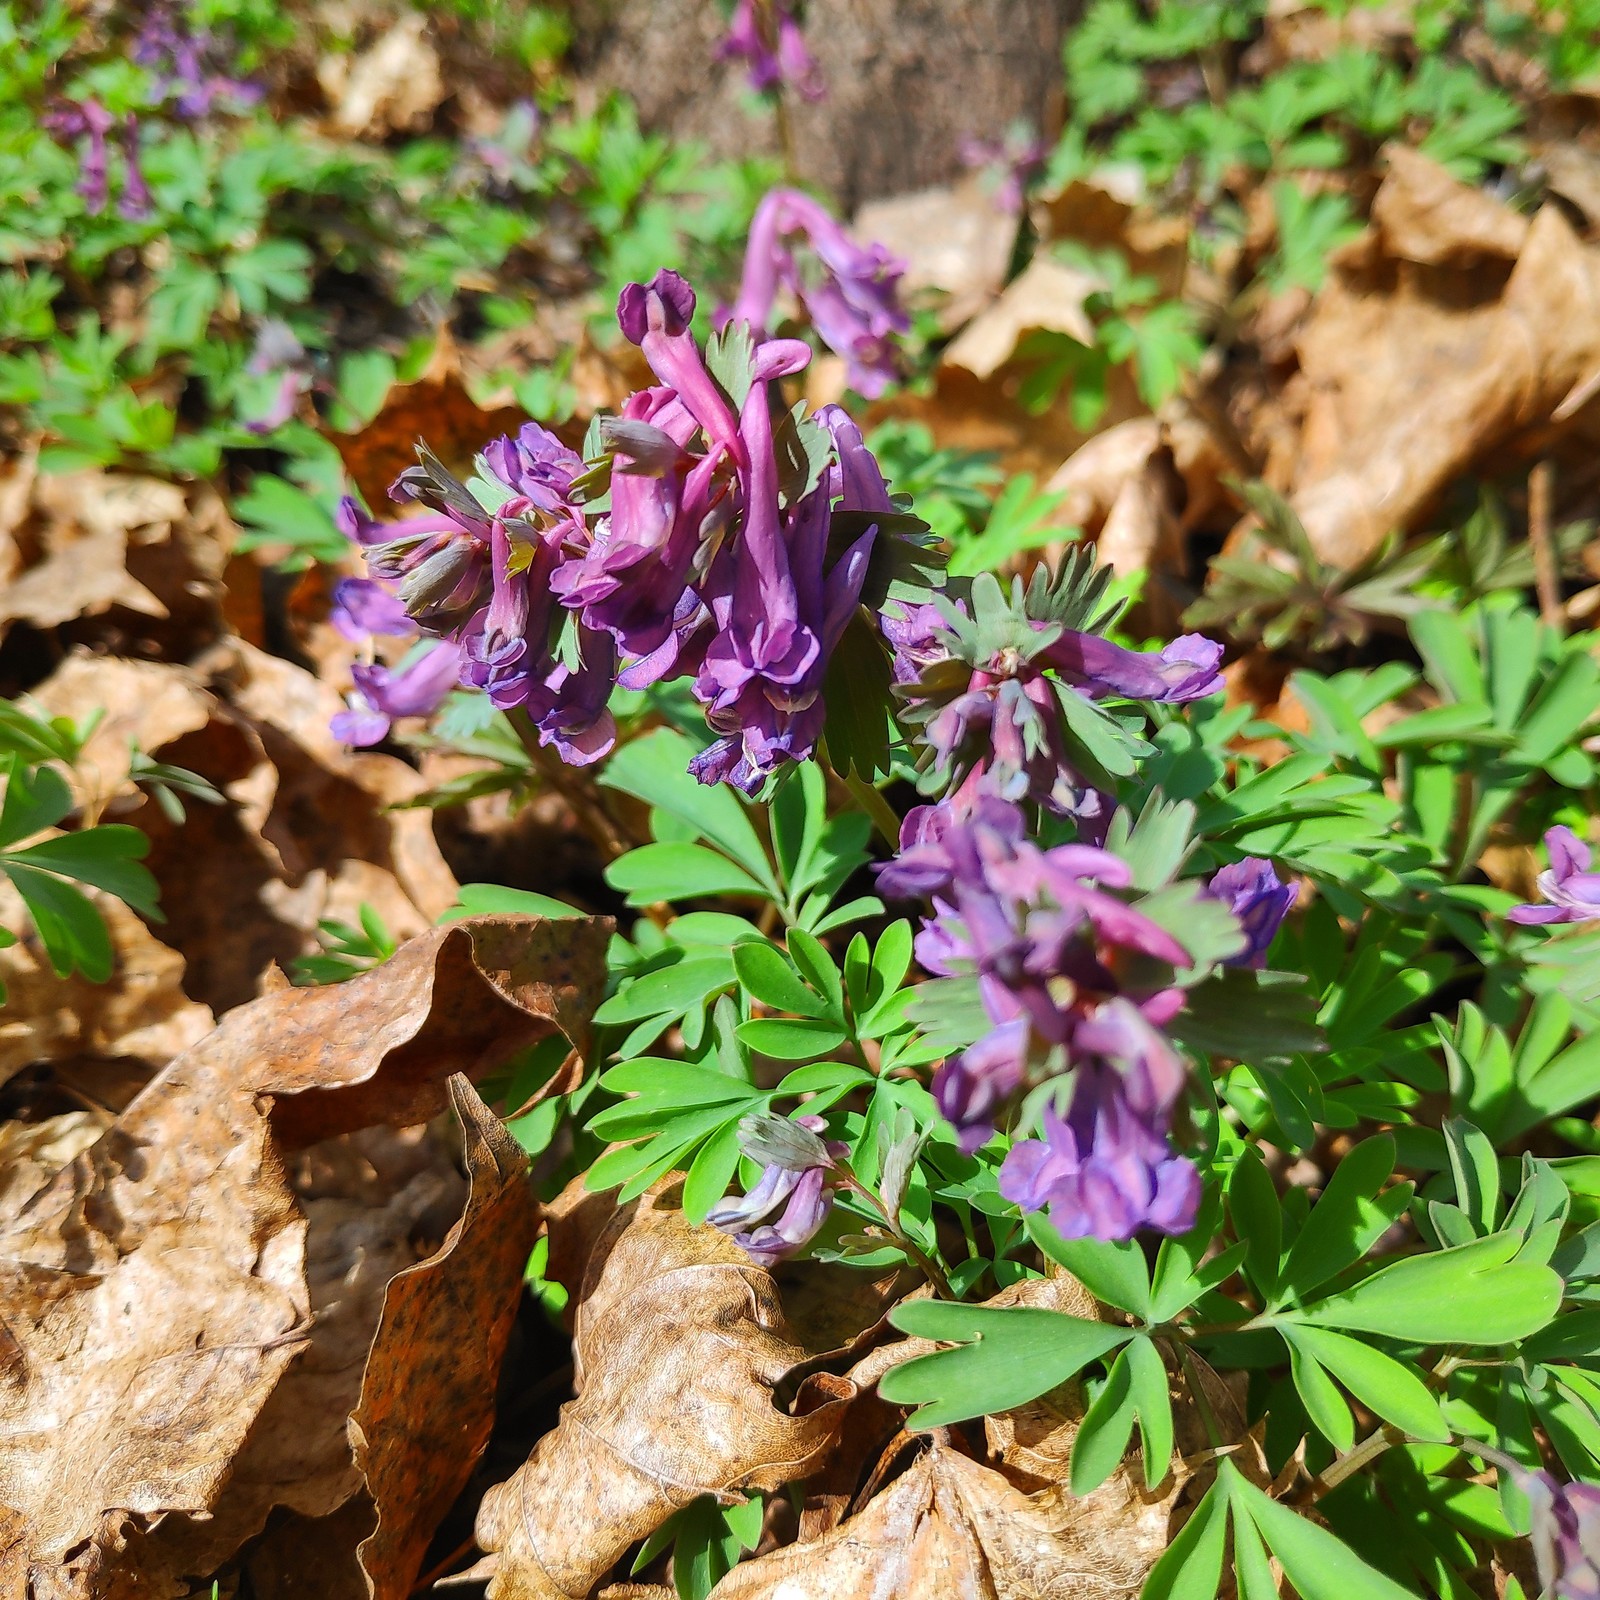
[951, 1529]
[679, 1342]
[156, 1289]
[1046, 296]
[1423, 214]
[1412, 375]
[427, 1400]
[394, 84]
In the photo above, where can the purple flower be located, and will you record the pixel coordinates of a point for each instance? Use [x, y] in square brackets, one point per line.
[190, 65]
[1566, 1535]
[656, 316]
[135, 202]
[1253, 892]
[971, 1088]
[794, 1177]
[1184, 670]
[1009, 163]
[771, 59]
[777, 617]
[416, 688]
[1572, 890]
[849, 292]
[1104, 1171]
[72, 120]
[363, 607]
[915, 635]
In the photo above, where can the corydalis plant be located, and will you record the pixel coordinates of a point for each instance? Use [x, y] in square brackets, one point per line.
[711, 535]
[764, 35]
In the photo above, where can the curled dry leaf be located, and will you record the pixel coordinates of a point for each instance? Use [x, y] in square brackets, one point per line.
[82, 544]
[141, 1017]
[952, 1529]
[1423, 214]
[679, 1342]
[156, 1289]
[393, 84]
[1047, 296]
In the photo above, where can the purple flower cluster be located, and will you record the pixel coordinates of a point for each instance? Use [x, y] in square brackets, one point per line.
[1009, 163]
[849, 292]
[1077, 982]
[87, 124]
[712, 563]
[191, 65]
[1255, 894]
[1571, 890]
[994, 725]
[766, 38]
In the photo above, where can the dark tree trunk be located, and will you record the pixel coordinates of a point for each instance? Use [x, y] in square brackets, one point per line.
[906, 80]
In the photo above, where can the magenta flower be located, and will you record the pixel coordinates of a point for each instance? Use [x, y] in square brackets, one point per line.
[771, 58]
[190, 65]
[72, 120]
[1566, 1535]
[1573, 892]
[849, 292]
[1009, 164]
[416, 688]
[1253, 892]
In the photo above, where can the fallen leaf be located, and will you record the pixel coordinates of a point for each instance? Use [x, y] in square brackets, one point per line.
[156, 1288]
[952, 1529]
[1423, 214]
[392, 85]
[956, 244]
[678, 1343]
[307, 834]
[1411, 376]
[1046, 296]
[427, 1398]
[1106, 210]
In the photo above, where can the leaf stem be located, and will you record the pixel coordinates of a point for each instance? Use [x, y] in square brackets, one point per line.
[929, 1268]
[872, 802]
[592, 815]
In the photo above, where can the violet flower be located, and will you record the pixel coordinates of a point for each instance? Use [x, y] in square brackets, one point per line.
[1255, 894]
[363, 607]
[1186, 669]
[1009, 164]
[849, 292]
[777, 615]
[1104, 1172]
[1565, 1536]
[771, 60]
[88, 120]
[416, 688]
[794, 1176]
[135, 203]
[1573, 892]
[190, 65]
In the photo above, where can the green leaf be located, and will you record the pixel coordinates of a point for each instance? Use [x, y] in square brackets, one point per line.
[679, 872]
[1473, 1294]
[1102, 1437]
[36, 798]
[73, 934]
[491, 899]
[1257, 1219]
[1323, 1402]
[764, 973]
[790, 1041]
[1191, 1568]
[1115, 1273]
[1319, 1564]
[107, 857]
[1346, 1221]
[1152, 1399]
[1009, 1355]
[668, 991]
[1378, 1381]
[710, 1174]
[818, 969]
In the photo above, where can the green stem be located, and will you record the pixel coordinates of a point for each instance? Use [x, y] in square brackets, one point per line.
[929, 1268]
[872, 802]
[571, 786]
